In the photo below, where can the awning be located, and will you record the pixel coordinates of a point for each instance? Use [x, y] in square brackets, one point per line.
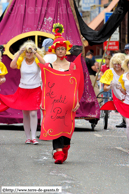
[96, 22]
[99, 36]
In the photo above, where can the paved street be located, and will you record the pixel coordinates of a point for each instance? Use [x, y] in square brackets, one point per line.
[98, 161]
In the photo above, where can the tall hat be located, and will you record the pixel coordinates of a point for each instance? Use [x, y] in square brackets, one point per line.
[59, 40]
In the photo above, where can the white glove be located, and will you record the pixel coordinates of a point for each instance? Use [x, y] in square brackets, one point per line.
[118, 86]
[112, 85]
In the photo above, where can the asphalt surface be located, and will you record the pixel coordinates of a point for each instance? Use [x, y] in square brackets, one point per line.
[98, 161]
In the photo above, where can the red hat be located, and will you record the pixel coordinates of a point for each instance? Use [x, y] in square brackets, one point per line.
[59, 40]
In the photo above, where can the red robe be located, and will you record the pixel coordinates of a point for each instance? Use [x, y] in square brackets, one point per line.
[59, 97]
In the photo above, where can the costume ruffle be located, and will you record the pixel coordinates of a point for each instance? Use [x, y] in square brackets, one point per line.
[121, 107]
[118, 105]
[22, 99]
[3, 69]
[121, 81]
[108, 106]
[107, 77]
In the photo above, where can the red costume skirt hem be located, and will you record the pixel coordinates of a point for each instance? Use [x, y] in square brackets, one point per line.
[121, 107]
[22, 99]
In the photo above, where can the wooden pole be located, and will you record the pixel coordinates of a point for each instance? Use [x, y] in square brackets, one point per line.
[7, 7]
[101, 62]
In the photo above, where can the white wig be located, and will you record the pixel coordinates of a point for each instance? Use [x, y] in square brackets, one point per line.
[124, 65]
[117, 58]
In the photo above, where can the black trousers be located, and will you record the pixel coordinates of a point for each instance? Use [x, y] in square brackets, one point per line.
[60, 142]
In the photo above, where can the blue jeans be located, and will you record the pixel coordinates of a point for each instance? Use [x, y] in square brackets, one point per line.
[107, 95]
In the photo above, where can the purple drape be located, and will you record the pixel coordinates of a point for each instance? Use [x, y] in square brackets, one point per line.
[38, 15]
[89, 107]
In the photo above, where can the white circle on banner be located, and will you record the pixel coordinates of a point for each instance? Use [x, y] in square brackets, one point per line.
[50, 58]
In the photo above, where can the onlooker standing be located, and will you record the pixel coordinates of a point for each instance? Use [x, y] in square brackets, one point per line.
[126, 49]
[105, 67]
[92, 69]
[93, 57]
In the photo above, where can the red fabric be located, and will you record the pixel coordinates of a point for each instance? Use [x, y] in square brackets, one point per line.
[104, 68]
[59, 157]
[121, 107]
[3, 106]
[22, 99]
[59, 97]
[60, 44]
[108, 106]
[65, 150]
[78, 64]
[64, 57]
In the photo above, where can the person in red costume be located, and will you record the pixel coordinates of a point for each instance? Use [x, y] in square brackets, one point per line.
[123, 85]
[3, 71]
[28, 95]
[60, 46]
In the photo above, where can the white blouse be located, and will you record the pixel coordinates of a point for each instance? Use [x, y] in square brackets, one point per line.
[126, 85]
[116, 91]
[30, 75]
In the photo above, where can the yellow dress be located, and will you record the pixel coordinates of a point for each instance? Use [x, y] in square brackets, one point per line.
[107, 77]
[3, 69]
[121, 81]
[111, 76]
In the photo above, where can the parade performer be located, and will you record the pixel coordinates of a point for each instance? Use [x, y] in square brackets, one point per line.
[28, 95]
[3, 71]
[60, 97]
[110, 79]
[111, 76]
[123, 106]
[49, 57]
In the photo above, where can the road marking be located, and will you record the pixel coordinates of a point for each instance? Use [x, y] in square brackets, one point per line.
[124, 165]
[123, 150]
[112, 136]
[97, 135]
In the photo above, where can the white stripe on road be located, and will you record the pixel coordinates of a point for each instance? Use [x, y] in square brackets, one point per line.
[123, 150]
[97, 135]
[112, 136]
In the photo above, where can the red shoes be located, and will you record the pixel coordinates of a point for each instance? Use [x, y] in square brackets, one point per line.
[65, 151]
[34, 141]
[29, 141]
[59, 157]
